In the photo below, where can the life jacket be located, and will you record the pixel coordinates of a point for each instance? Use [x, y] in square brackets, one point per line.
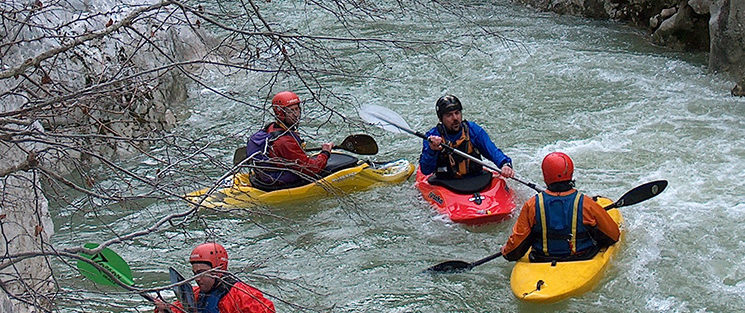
[231, 296]
[258, 148]
[452, 165]
[559, 230]
[207, 302]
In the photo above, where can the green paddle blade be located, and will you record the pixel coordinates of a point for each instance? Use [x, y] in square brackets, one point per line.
[109, 260]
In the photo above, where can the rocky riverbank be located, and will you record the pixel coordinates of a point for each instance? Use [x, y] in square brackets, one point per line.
[715, 26]
[78, 85]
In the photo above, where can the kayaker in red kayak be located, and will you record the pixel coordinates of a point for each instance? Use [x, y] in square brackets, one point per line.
[463, 135]
[216, 293]
[560, 223]
[277, 149]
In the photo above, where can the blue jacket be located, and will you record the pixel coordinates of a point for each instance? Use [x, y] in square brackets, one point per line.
[480, 140]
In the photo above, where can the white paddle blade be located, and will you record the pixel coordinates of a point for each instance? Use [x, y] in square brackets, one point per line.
[383, 117]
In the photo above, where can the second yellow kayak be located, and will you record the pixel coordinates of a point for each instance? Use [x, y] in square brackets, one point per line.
[552, 282]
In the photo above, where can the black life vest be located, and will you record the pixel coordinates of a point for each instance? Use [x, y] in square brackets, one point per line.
[452, 165]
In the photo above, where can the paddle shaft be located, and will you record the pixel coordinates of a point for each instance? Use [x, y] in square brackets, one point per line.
[486, 259]
[321, 148]
[494, 168]
[461, 153]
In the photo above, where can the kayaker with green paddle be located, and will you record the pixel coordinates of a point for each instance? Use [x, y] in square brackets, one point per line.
[560, 223]
[217, 292]
[277, 149]
[462, 135]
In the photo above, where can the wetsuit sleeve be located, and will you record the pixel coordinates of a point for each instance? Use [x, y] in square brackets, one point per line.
[428, 158]
[486, 146]
[604, 229]
[520, 240]
[287, 148]
[248, 299]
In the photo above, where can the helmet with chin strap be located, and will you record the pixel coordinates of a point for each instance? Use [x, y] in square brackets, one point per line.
[557, 167]
[447, 103]
[283, 100]
[211, 253]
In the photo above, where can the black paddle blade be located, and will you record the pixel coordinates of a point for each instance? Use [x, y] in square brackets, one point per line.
[239, 155]
[450, 266]
[183, 292]
[640, 193]
[360, 144]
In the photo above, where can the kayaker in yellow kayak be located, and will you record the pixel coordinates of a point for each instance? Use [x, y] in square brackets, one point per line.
[560, 223]
[216, 292]
[463, 135]
[277, 150]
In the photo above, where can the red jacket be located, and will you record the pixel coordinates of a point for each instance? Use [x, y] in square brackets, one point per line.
[289, 149]
[593, 215]
[241, 298]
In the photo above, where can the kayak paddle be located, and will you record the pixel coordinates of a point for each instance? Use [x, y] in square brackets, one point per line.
[391, 121]
[112, 262]
[639, 194]
[359, 144]
[633, 196]
[109, 260]
[457, 266]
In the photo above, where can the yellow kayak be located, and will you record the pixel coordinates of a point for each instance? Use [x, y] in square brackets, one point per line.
[552, 282]
[236, 191]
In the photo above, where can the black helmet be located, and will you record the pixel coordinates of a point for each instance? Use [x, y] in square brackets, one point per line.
[447, 103]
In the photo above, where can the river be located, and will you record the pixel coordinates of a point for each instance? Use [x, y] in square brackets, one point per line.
[625, 111]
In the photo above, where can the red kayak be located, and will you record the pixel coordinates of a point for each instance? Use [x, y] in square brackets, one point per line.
[481, 199]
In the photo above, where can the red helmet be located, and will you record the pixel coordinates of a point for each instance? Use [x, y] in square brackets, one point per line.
[282, 100]
[557, 167]
[211, 253]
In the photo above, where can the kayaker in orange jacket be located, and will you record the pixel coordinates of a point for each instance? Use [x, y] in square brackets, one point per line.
[216, 293]
[560, 223]
[278, 145]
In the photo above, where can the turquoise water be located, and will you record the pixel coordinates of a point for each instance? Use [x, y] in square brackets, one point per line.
[625, 111]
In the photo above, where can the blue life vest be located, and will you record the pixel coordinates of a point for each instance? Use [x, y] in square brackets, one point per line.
[257, 149]
[207, 302]
[559, 230]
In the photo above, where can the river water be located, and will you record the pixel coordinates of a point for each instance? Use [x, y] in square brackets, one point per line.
[625, 111]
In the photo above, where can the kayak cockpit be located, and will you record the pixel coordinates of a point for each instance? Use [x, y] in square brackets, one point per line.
[465, 185]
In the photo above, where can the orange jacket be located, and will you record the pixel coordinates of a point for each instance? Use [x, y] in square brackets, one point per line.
[593, 215]
[241, 298]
